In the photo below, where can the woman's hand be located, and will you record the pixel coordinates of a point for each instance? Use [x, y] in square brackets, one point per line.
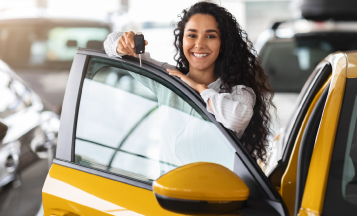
[186, 79]
[126, 44]
[196, 86]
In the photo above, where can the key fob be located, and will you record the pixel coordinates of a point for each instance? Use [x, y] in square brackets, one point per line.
[139, 43]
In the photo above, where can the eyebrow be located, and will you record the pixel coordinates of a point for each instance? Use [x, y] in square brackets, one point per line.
[209, 30]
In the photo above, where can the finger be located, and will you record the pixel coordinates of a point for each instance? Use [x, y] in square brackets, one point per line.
[146, 42]
[129, 40]
[179, 75]
[174, 72]
[123, 48]
[127, 45]
[120, 49]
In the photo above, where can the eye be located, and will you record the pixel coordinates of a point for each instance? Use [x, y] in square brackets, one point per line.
[211, 36]
[191, 35]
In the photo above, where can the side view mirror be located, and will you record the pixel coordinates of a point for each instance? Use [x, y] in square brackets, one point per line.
[200, 188]
[3, 130]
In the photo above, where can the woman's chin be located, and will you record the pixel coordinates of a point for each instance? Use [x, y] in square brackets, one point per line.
[199, 67]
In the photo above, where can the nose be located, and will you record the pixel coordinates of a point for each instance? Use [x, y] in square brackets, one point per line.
[200, 43]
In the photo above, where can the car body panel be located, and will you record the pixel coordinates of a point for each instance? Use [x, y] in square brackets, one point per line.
[314, 192]
[288, 181]
[87, 194]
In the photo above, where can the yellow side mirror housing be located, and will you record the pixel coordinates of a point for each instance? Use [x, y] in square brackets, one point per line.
[201, 188]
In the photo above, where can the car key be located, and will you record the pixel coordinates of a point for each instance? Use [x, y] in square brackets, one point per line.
[139, 44]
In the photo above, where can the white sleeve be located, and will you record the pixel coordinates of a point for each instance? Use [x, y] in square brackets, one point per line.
[110, 47]
[233, 110]
[110, 44]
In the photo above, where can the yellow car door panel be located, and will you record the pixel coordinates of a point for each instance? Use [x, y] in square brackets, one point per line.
[81, 193]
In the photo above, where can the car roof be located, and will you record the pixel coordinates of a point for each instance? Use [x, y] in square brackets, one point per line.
[36, 15]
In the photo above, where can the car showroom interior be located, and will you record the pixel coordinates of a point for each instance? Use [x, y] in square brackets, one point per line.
[178, 107]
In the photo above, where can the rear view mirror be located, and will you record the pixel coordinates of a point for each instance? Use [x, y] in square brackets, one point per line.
[201, 188]
[94, 44]
[71, 43]
[3, 130]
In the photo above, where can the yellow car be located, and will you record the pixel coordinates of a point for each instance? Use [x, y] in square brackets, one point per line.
[122, 151]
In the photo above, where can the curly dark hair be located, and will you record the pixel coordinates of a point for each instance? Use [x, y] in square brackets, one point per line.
[237, 64]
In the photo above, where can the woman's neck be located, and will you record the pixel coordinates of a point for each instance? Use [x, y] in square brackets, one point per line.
[205, 77]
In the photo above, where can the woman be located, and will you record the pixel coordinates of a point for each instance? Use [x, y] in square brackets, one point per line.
[215, 57]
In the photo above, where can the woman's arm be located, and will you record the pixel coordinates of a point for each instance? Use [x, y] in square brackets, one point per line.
[234, 110]
[122, 43]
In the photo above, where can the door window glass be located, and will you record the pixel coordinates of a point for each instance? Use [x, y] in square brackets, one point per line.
[132, 124]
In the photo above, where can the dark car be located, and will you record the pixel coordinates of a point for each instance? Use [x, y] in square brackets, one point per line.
[40, 45]
[291, 49]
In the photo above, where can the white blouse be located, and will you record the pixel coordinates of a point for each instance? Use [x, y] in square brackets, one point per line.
[234, 110]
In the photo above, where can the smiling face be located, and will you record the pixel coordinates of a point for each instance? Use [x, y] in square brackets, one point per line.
[201, 42]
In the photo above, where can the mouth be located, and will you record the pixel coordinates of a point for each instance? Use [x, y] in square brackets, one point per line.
[200, 55]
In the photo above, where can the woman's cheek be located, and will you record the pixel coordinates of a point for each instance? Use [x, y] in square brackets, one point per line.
[186, 48]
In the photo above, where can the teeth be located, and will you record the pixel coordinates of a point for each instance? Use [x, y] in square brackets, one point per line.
[200, 55]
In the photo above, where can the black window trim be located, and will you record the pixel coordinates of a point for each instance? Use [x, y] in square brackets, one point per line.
[323, 71]
[103, 173]
[251, 165]
[318, 78]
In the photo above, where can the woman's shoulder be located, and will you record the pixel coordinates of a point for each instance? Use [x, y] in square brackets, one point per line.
[242, 89]
[236, 90]
[244, 92]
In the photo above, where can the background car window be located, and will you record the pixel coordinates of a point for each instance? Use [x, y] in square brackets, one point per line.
[132, 125]
[289, 62]
[46, 46]
[341, 191]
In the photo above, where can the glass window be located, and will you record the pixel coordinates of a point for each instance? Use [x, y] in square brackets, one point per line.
[134, 125]
[47, 46]
[341, 191]
[290, 61]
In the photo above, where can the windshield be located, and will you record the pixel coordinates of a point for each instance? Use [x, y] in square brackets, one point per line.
[289, 62]
[45, 46]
